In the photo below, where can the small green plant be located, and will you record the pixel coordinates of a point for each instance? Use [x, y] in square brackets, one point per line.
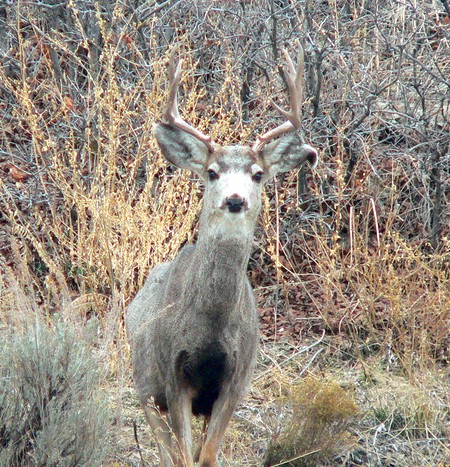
[51, 411]
[313, 424]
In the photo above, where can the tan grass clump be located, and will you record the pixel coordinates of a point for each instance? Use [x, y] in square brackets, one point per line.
[313, 423]
[410, 409]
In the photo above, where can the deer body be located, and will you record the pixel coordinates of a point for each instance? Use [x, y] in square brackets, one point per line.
[204, 294]
[193, 327]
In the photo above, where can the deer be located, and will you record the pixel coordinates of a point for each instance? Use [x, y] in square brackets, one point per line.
[193, 327]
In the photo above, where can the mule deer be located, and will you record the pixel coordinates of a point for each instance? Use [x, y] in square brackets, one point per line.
[193, 327]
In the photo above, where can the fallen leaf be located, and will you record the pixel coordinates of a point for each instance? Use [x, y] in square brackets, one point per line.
[17, 174]
[68, 102]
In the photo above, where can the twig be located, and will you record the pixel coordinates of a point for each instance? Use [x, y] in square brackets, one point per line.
[304, 349]
[309, 364]
[147, 14]
[297, 457]
[137, 443]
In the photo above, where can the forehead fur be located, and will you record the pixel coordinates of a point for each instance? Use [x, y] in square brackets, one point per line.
[235, 156]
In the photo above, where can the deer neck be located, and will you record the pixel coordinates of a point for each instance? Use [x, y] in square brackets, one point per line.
[218, 275]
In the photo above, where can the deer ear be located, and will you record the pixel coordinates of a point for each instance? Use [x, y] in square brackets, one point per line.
[287, 153]
[181, 149]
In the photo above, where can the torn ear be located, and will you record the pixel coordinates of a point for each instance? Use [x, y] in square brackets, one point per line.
[181, 149]
[287, 153]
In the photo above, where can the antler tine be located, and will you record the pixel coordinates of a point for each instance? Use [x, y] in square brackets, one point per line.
[171, 113]
[175, 71]
[294, 81]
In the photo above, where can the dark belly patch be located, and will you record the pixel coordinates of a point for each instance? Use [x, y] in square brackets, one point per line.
[161, 402]
[204, 370]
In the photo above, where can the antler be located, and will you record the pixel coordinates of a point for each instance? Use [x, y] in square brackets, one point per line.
[294, 80]
[171, 114]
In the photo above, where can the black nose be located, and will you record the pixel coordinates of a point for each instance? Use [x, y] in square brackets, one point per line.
[235, 203]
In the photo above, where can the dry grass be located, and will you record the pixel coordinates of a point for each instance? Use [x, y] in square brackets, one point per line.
[352, 282]
[311, 423]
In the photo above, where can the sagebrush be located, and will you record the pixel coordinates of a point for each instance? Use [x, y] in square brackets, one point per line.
[52, 411]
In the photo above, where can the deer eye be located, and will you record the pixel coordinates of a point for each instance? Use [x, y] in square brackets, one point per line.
[212, 175]
[257, 177]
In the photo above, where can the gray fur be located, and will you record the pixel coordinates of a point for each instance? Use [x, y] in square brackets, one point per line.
[198, 298]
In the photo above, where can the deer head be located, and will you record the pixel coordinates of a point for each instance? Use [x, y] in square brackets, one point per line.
[234, 175]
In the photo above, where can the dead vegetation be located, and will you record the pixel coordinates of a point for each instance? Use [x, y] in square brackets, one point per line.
[311, 423]
[350, 265]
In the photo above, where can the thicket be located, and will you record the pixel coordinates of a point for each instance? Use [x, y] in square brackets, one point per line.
[87, 199]
[359, 250]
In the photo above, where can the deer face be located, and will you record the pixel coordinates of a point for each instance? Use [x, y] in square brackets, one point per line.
[233, 175]
[233, 181]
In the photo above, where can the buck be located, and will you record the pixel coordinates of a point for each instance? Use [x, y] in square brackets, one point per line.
[193, 327]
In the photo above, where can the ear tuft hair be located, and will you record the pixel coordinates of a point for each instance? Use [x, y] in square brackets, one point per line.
[180, 148]
[288, 153]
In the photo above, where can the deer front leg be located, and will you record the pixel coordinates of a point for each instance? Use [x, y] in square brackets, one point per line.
[180, 411]
[162, 433]
[220, 417]
[199, 447]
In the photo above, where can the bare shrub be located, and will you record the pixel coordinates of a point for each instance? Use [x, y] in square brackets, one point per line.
[51, 409]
